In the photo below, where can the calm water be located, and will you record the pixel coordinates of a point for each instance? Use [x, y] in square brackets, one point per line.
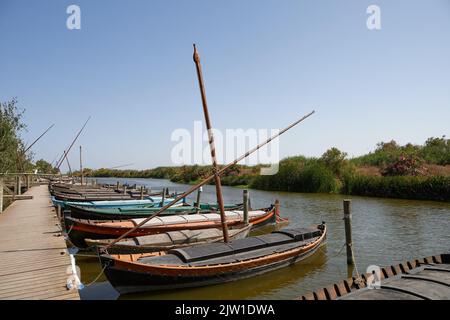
[385, 232]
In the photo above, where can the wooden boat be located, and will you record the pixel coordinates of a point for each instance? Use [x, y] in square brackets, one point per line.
[122, 213]
[212, 263]
[169, 240]
[90, 197]
[80, 229]
[129, 203]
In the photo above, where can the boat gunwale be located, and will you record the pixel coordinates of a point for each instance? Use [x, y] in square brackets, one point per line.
[171, 270]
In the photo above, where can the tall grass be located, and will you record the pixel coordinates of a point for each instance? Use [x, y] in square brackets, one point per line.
[403, 187]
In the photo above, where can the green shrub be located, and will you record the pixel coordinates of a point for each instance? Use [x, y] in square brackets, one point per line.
[299, 174]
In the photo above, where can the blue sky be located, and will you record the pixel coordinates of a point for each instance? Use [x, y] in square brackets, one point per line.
[265, 64]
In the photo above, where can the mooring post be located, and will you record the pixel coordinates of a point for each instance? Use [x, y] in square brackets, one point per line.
[245, 198]
[1, 194]
[124, 189]
[197, 203]
[348, 232]
[142, 192]
[117, 186]
[277, 207]
[58, 212]
[163, 197]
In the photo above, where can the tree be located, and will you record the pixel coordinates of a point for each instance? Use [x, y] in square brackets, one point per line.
[335, 160]
[12, 157]
[44, 167]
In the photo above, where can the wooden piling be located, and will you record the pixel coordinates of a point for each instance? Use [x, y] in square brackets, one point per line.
[59, 212]
[117, 186]
[18, 185]
[197, 203]
[245, 197]
[348, 232]
[163, 197]
[277, 207]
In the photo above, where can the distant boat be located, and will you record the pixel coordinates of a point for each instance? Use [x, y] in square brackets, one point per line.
[80, 229]
[169, 240]
[212, 263]
[132, 212]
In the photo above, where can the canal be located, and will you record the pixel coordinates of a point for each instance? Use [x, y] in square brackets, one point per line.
[385, 232]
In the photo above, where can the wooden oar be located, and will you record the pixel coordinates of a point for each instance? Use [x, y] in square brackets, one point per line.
[208, 179]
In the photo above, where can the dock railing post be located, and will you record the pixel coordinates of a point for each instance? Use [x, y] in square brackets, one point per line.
[117, 186]
[142, 192]
[19, 185]
[58, 212]
[348, 232]
[124, 189]
[245, 199]
[1, 194]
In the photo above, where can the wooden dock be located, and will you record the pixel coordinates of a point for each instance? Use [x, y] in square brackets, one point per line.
[33, 255]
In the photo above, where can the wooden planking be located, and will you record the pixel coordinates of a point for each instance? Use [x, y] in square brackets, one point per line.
[423, 279]
[33, 255]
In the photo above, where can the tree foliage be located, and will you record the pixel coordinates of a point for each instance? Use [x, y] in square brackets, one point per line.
[12, 158]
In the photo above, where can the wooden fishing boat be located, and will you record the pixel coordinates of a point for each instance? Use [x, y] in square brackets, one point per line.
[80, 229]
[90, 197]
[169, 240]
[122, 213]
[148, 202]
[212, 263]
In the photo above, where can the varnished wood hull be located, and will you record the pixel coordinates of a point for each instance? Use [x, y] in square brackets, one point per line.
[126, 280]
[79, 230]
[239, 232]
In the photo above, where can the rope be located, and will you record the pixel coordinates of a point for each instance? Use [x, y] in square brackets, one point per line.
[98, 277]
[70, 229]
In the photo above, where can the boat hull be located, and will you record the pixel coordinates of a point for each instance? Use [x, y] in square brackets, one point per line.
[129, 281]
[125, 248]
[79, 230]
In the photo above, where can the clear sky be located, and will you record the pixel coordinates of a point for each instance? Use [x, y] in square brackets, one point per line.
[265, 64]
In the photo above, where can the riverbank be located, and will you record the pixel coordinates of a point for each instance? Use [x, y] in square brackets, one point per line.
[311, 178]
[420, 172]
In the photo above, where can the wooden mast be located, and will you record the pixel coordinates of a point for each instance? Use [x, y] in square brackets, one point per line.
[71, 145]
[212, 146]
[81, 167]
[68, 163]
